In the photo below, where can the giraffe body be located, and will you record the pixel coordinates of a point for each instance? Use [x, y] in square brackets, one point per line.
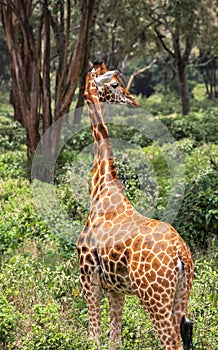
[122, 251]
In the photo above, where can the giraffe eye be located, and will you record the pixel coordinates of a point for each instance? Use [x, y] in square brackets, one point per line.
[114, 85]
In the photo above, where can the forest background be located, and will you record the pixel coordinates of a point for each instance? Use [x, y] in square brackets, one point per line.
[167, 54]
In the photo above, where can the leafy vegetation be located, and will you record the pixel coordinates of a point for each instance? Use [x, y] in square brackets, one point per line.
[41, 305]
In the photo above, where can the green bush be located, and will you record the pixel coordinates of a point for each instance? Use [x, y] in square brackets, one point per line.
[13, 164]
[12, 136]
[160, 104]
[45, 292]
[9, 321]
[201, 126]
[19, 220]
[198, 215]
[81, 139]
[199, 160]
[204, 301]
[208, 123]
[138, 177]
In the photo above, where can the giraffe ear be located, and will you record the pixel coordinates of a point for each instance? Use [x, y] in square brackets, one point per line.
[105, 78]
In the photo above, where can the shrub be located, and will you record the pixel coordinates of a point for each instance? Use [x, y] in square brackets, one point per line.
[19, 220]
[13, 164]
[199, 126]
[81, 139]
[160, 104]
[198, 160]
[184, 127]
[138, 177]
[12, 136]
[9, 319]
[46, 293]
[197, 218]
[203, 302]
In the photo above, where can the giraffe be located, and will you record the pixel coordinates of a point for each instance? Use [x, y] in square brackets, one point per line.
[123, 252]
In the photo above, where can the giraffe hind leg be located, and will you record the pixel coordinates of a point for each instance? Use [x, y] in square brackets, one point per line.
[186, 329]
[166, 332]
[163, 323]
[116, 301]
[159, 307]
[180, 310]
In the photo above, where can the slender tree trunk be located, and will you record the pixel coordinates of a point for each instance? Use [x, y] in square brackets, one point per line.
[185, 98]
[80, 102]
[32, 135]
[182, 62]
[46, 86]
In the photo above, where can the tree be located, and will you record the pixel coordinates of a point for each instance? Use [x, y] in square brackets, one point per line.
[28, 27]
[122, 33]
[207, 66]
[175, 24]
[207, 59]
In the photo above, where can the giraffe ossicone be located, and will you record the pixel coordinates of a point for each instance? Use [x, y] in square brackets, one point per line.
[122, 251]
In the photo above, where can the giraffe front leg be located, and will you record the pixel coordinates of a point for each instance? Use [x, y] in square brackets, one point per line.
[116, 302]
[91, 293]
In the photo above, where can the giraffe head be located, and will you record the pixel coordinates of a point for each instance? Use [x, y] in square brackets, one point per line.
[109, 88]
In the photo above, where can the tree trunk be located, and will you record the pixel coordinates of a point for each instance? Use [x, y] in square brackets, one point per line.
[46, 86]
[80, 102]
[185, 98]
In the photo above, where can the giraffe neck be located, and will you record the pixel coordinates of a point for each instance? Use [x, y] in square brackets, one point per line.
[105, 182]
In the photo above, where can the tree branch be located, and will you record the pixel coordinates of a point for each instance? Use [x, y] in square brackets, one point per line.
[160, 37]
[140, 71]
[203, 64]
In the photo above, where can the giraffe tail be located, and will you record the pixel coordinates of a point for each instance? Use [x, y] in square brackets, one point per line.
[186, 330]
